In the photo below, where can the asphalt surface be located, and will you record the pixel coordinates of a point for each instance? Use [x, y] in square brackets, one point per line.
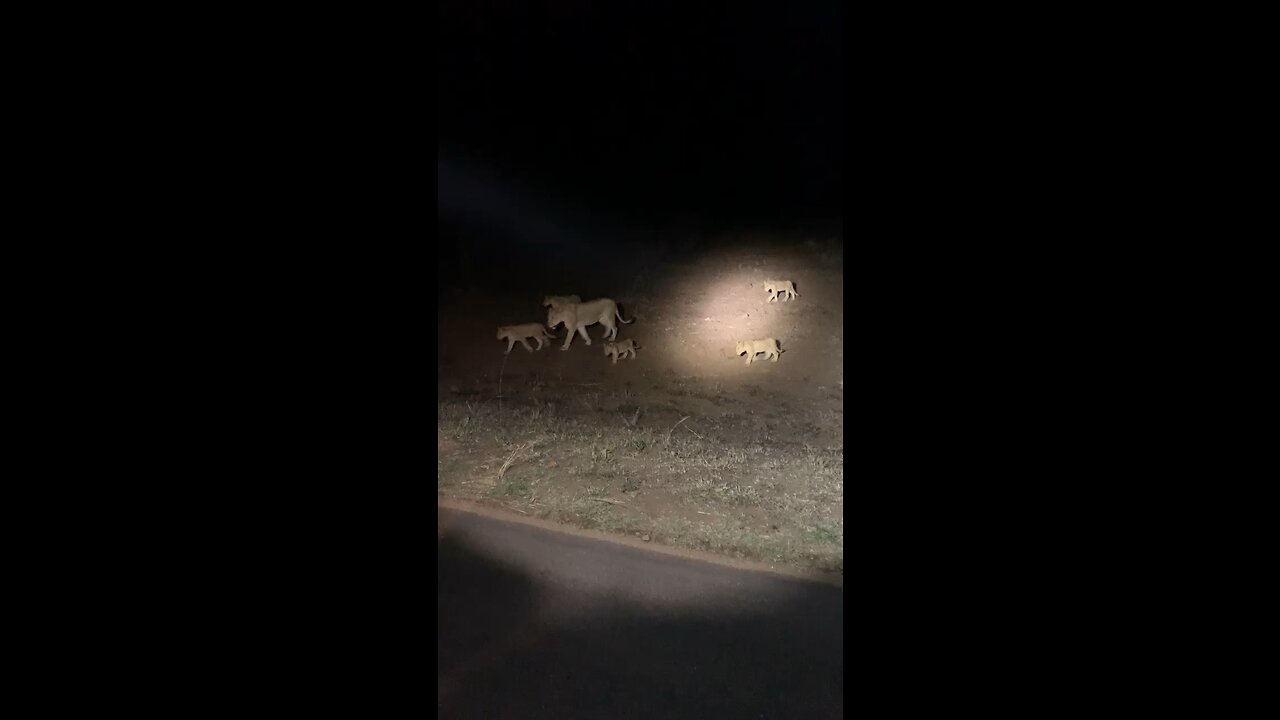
[534, 623]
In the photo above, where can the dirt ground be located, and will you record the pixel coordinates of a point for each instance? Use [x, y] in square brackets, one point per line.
[686, 444]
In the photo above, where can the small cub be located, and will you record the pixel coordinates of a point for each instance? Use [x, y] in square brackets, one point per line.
[517, 333]
[622, 347]
[780, 288]
[768, 346]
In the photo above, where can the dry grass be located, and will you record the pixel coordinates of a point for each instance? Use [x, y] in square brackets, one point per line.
[727, 489]
[515, 453]
[684, 446]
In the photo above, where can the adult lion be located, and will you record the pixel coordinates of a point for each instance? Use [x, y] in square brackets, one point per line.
[577, 316]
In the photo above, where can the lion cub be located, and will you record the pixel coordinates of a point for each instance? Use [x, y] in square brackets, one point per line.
[780, 288]
[622, 347]
[517, 333]
[558, 300]
[768, 346]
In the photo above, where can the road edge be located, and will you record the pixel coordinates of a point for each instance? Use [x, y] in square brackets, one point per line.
[474, 508]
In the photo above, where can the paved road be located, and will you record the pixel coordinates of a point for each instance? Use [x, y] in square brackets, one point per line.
[540, 624]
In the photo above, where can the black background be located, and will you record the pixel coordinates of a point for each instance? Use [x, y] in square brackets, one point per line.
[268, 197]
[650, 113]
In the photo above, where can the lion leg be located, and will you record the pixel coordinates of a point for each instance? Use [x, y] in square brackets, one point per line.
[526, 345]
[510, 344]
[539, 341]
[582, 330]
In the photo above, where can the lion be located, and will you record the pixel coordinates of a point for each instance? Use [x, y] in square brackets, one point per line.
[517, 333]
[780, 288]
[768, 346]
[556, 300]
[577, 316]
[621, 348]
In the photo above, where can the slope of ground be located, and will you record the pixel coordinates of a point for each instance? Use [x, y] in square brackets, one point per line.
[686, 444]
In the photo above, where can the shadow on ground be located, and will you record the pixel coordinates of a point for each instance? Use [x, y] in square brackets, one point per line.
[500, 655]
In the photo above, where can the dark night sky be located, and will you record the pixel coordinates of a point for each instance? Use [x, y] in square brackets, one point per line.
[644, 113]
